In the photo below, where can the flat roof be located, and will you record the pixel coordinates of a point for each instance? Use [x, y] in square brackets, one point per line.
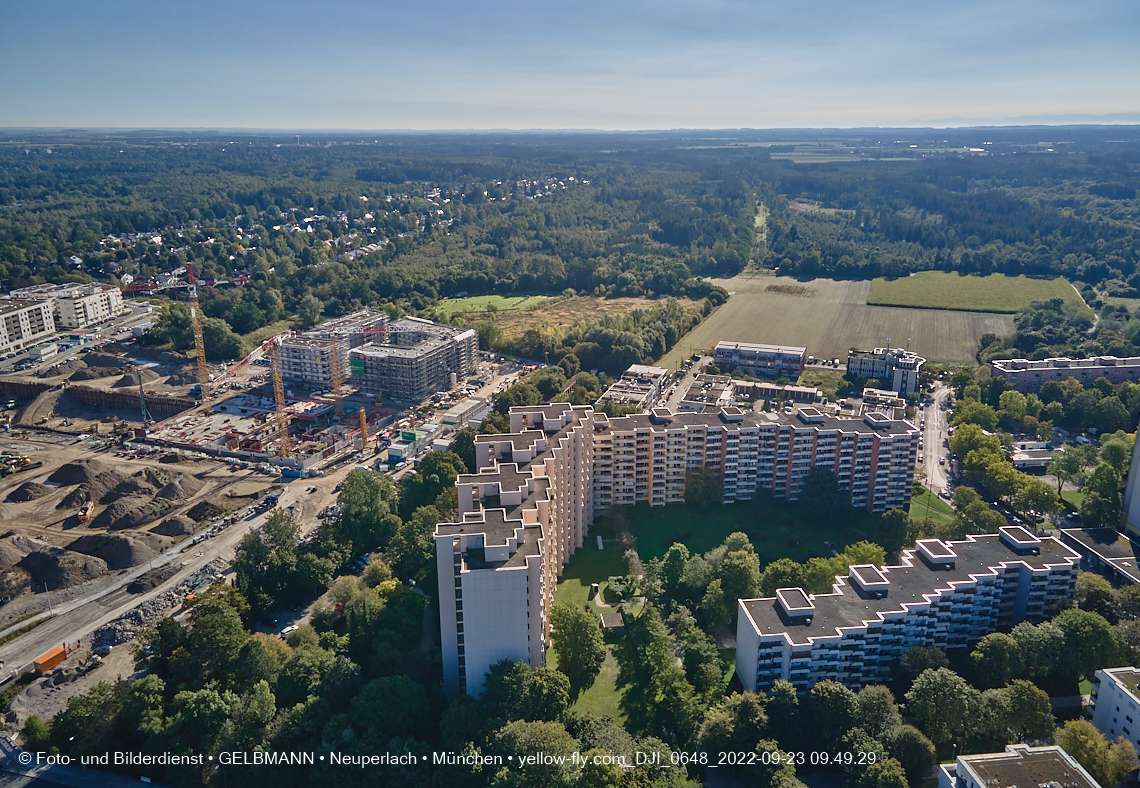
[758, 348]
[1111, 546]
[1027, 767]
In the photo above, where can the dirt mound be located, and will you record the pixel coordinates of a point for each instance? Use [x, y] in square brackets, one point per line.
[120, 551]
[131, 513]
[181, 487]
[93, 490]
[152, 579]
[187, 376]
[144, 483]
[204, 511]
[62, 568]
[104, 360]
[15, 547]
[94, 373]
[178, 525]
[63, 368]
[79, 472]
[28, 491]
[148, 376]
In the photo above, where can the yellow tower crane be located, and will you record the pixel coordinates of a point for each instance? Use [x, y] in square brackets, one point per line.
[279, 400]
[196, 325]
[363, 429]
[334, 360]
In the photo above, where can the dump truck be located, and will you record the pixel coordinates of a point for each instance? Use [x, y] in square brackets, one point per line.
[49, 660]
[85, 511]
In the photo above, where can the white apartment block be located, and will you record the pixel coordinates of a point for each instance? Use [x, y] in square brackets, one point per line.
[770, 360]
[898, 369]
[944, 594]
[1132, 494]
[1029, 376]
[25, 324]
[1020, 765]
[536, 490]
[639, 387]
[306, 358]
[1115, 703]
[76, 305]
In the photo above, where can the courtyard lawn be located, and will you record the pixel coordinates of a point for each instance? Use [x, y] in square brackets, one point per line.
[589, 565]
[1075, 497]
[777, 529]
[930, 506]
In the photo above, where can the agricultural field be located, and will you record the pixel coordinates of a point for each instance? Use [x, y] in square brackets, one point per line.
[993, 293]
[829, 317]
[453, 306]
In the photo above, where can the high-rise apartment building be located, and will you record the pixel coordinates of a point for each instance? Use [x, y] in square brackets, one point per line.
[76, 305]
[896, 368]
[24, 324]
[417, 359]
[944, 594]
[528, 507]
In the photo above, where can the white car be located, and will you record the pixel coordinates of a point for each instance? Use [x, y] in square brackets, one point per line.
[288, 629]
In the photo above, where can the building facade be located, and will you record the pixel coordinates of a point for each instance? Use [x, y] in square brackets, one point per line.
[898, 369]
[944, 594]
[1115, 703]
[25, 324]
[418, 358]
[306, 358]
[1020, 764]
[76, 305]
[529, 504]
[772, 361]
[1029, 376]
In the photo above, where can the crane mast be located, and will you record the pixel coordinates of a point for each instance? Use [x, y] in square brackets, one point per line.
[334, 360]
[196, 324]
[363, 429]
[279, 400]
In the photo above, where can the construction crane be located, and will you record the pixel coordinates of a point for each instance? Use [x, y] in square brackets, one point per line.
[196, 324]
[334, 360]
[147, 419]
[363, 429]
[279, 400]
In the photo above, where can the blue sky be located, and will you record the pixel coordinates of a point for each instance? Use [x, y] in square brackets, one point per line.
[614, 64]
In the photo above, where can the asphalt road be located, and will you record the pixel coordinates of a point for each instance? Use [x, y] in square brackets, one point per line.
[933, 436]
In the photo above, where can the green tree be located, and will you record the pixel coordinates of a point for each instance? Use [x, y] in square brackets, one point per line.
[821, 495]
[222, 344]
[1042, 647]
[1066, 465]
[876, 711]
[464, 448]
[883, 774]
[309, 310]
[1034, 495]
[366, 503]
[436, 472]
[1090, 643]
[703, 488]
[893, 527]
[548, 695]
[832, 710]
[942, 703]
[916, 660]
[781, 573]
[1116, 450]
[1107, 763]
[739, 576]
[734, 724]
[1030, 713]
[1095, 594]
[914, 751]
[578, 643]
[996, 660]
[673, 566]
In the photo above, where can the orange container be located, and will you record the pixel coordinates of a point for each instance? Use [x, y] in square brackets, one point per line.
[50, 660]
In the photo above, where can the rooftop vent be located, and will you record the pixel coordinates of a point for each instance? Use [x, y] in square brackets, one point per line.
[661, 416]
[936, 553]
[731, 414]
[810, 416]
[877, 420]
[795, 604]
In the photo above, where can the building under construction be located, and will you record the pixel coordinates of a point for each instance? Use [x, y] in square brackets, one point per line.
[306, 358]
[416, 359]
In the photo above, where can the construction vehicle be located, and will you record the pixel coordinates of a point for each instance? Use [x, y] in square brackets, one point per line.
[85, 510]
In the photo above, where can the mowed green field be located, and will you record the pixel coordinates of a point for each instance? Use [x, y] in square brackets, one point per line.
[993, 293]
[454, 306]
[832, 317]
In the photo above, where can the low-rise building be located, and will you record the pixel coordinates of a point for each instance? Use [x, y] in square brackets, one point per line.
[944, 594]
[897, 369]
[1115, 703]
[1020, 765]
[1029, 376]
[25, 324]
[639, 387]
[771, 361]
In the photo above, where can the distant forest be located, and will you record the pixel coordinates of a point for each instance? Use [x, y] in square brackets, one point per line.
[408, 219]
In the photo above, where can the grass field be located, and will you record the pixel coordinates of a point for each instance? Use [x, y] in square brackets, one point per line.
[777, 531]
[1075, 497]
[826, 379]
[454, 306]
[833, 320]
[993, 293]
[589, 565]
[562, 314]
[930, 506]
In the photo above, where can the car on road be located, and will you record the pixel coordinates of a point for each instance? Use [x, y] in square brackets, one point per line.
[288, 629]
[941, 460]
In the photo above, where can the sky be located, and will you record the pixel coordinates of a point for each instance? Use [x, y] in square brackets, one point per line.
[566, 64]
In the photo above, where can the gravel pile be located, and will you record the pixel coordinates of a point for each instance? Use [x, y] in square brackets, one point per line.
[64, 368]
[94, 373]
[131, 513]
[28, 491]
[178, 525]
[120, 551]
[78, 472]
[15, 547]
[144, 483]
[187, 376]
[130, 379]
[93, 490]
[129, 625]
[104, 360]
[181, 487]
[62, 568]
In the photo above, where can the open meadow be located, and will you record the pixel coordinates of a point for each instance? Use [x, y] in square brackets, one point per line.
[454, 306]
[829, 317]
[993, 293]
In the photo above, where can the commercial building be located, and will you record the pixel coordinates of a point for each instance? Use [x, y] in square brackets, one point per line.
[76, 305]
[537, 488]
[1020, 765]
[769, 360]
[639, 387]
[944, 594]
[1029, 376]
[25, 324]
[418, 359]
[1115, 703]
[713, 392]
[306, 359]
[895, 368]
